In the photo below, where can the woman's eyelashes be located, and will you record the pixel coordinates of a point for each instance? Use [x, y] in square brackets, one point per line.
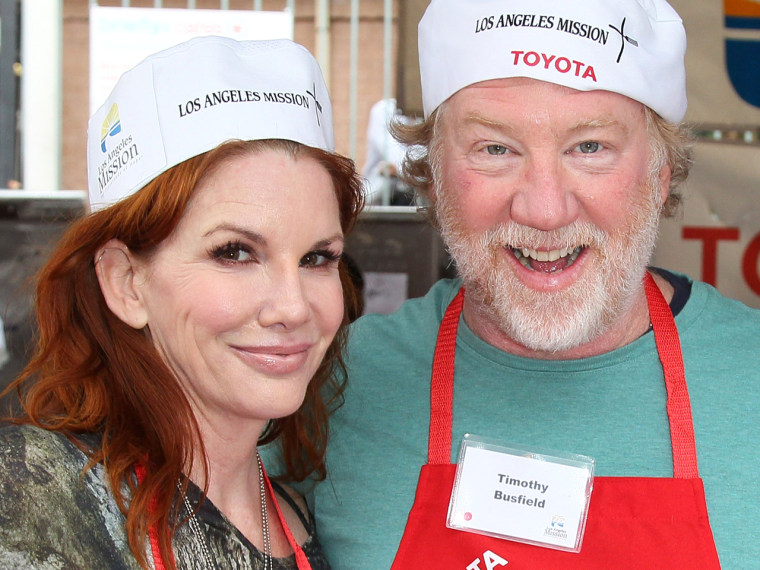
[237, 252]
[321, 258]
[233, 252]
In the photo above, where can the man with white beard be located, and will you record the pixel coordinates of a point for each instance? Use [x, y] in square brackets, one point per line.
[544, 392]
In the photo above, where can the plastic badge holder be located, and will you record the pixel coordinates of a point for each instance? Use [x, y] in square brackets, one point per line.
[530, 496]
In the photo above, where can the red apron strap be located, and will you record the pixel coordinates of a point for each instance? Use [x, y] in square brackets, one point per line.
[301, 561]
[678, 406]
[158, 561]
[668, 348]
[442, 388]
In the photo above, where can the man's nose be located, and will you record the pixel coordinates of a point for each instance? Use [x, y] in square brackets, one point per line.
[545, 197]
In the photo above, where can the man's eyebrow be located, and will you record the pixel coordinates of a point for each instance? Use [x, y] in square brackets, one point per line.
[598, 123]
[485, 121]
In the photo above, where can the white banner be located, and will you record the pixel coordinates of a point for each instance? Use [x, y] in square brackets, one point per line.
[718, 238]
[722, 60]
[120, 38]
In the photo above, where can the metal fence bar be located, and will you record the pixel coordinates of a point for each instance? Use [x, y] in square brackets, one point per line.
[9, 93]
[41, 36]
[322, 43]
[354, 79]
[387, 47]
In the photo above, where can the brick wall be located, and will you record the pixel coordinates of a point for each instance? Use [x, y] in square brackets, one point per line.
[75, 59]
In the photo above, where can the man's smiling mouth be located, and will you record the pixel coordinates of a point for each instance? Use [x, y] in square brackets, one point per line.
[547, 261]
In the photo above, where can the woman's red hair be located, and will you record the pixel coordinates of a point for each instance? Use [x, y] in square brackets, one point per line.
[92, 373]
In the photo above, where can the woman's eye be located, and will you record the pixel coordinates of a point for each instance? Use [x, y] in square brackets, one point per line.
[233, 252]
[319, 259]
[496, 149]
[588, 147]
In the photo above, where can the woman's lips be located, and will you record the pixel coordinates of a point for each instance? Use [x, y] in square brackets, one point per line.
[275, 359]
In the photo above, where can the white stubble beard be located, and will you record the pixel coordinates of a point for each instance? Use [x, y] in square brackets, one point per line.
[554, 321]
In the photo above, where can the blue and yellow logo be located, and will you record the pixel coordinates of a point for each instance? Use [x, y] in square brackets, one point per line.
[111, 126]
[743, 55]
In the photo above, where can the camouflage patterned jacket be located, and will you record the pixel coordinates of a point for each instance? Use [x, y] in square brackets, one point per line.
[52, 517]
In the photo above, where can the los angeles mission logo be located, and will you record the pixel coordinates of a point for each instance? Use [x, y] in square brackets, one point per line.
[559, 63]
[118, 155]
[306, 100]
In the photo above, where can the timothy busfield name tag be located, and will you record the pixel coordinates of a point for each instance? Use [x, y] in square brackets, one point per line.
[520, 494]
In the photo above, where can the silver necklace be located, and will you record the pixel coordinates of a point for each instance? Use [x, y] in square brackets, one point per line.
[268, 564]
[195, 527]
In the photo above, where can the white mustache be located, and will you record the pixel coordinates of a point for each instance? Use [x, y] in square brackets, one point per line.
[517, 236]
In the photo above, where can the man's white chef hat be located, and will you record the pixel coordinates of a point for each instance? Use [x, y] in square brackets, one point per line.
[632, 47]
[188, 99]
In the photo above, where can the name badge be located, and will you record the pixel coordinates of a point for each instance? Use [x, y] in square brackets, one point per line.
[522, 495]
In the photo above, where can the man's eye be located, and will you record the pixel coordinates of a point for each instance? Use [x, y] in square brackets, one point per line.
[589, 147]
[496, 149]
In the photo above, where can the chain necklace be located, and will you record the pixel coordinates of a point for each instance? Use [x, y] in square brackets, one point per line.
[195, 527]
[268, 564]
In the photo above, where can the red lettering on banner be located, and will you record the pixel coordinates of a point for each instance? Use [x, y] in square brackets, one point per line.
[751, 265]
[710, 237]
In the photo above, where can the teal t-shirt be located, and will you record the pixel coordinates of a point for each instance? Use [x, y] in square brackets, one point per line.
[610, 407]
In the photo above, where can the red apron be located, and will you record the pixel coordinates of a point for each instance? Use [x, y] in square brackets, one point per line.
[301, 561]
[633, 522]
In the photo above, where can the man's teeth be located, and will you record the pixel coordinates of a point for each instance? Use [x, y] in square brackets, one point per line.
[524, 255]
[552, 255]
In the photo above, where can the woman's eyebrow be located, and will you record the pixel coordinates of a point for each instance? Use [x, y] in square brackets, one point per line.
[247, 233]
[329, 241]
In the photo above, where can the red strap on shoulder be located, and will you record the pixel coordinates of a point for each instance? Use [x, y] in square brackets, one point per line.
[158, 561]
[669, 349]
[679, 405]
[301, 561]
[442, 389]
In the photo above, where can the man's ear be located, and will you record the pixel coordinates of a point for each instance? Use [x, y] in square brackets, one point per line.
[116, 268]
[664, 182]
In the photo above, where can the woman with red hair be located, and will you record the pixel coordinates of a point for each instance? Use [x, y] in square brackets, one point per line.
[197, 313]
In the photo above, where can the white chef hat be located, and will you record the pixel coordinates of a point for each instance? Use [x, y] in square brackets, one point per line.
[632, 47]
[188, 99]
